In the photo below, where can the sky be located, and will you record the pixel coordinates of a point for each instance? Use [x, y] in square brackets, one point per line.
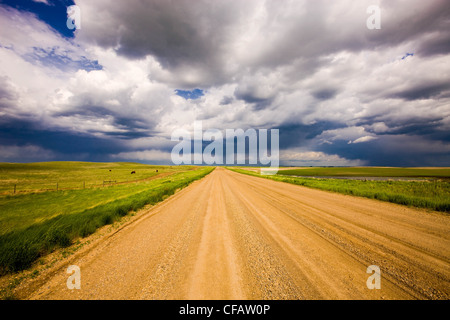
[340, 93]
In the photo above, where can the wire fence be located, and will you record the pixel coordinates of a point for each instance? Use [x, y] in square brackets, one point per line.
[18, 188]
[58, 186]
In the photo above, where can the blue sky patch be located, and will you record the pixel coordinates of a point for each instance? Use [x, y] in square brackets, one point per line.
[190, 94]
[53, 57]
[54, 14]
[407, 55]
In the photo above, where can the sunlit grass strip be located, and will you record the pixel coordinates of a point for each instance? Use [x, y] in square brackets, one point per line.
[434, 195]
[19, 178]
[369, 172]
[20, 248]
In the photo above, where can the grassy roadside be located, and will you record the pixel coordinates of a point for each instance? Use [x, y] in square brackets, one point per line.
[24, 210]
[369, 172]
[21, 246]
[434, 195]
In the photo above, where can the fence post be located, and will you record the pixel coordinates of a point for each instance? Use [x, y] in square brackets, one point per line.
[14, 189]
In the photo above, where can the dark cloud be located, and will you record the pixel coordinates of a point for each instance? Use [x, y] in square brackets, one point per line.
[133, 124]
[86, 111]
[401, 22]
[438, 44]
[258, 103]
[393, 150]
[325, 94]
[255, 95]
[127, 127]
[301, 135]
[226, 100]
[176, 33]
[68, 145]
[423, 91]
[202, 34]
[418, 127]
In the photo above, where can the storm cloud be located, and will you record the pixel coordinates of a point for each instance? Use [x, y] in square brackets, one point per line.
[340, 93]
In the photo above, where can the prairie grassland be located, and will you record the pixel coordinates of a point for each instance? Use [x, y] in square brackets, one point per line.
[429, 194]
[369, 172]
[33, 224]
[44, 176]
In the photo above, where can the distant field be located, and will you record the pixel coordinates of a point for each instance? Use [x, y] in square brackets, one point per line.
[33, 223]
[42, 176]
[433, 194]
[369, 172]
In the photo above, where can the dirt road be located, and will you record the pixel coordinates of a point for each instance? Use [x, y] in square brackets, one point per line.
[232, 236]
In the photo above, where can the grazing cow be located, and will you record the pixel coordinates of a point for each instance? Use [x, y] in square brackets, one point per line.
[109, 170]
[156, 170]
[133, 172]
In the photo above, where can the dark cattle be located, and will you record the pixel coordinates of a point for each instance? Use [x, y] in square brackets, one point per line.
[156, 170]
[133, 172]
[109, 170]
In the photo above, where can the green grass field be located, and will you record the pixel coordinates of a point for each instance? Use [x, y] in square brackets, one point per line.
[433, 194]
[42, 176]
[34, 223]
[369, 172]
